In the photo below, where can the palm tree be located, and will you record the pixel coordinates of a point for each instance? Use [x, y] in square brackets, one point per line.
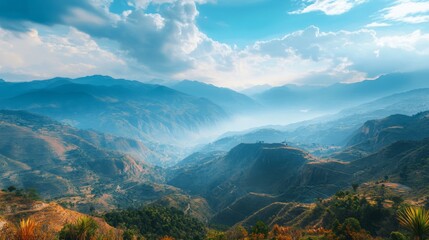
[416, 220]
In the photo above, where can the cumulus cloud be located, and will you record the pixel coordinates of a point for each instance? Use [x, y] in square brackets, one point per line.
[163, 41]
[160, 41]
[329, 7]
[29, 55]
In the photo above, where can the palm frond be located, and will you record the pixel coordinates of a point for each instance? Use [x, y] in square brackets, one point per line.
[416, 220]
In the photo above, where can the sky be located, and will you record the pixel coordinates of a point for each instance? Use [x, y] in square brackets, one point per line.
[231, 43]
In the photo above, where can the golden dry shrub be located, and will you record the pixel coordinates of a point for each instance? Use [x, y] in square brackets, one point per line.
[27, 229]
[257, 236]
[318, 231]
[236, 233]
[167, 238]
[284, 233]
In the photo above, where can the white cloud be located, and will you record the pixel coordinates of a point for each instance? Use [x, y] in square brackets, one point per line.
[314, 57]
[143, 4]
[377, 24]
[161, 41]
[329, 7]
[408, 11]
[416, 42]
[29, 55]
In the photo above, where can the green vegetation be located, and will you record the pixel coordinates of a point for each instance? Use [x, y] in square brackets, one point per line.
[28, 194]
[397, 236]
[83, 229]
[260, 228]
[154, 222]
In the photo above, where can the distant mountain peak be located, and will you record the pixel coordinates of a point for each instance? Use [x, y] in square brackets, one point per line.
[228, 99]
[99, 76]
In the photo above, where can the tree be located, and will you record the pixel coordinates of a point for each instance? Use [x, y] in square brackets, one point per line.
[416, 220]
[131, 234]
[92, 209]
[11, 188]
[355, 187]
[156, 221]
[260, 228]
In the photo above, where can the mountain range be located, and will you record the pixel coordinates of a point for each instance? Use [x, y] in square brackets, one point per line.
[342, 95]
[156, 115]
[231, 101]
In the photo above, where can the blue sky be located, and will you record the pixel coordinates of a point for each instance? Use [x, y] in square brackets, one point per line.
[233, 43]
[262, 20]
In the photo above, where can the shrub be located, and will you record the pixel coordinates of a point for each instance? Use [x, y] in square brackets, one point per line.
[237, 233]
[83, 229]
[397, 236]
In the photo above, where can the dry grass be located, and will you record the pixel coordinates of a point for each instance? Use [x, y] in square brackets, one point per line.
[26, 230]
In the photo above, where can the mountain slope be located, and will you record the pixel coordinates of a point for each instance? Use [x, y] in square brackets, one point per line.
[261, 168]
[231, 101]
[51, 216]
[254, 176]
[62, 162]
[376, 134]
[262, 135]
[336, 129]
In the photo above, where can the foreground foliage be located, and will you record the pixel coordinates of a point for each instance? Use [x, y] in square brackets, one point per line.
[416, 220]
[85, 228]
